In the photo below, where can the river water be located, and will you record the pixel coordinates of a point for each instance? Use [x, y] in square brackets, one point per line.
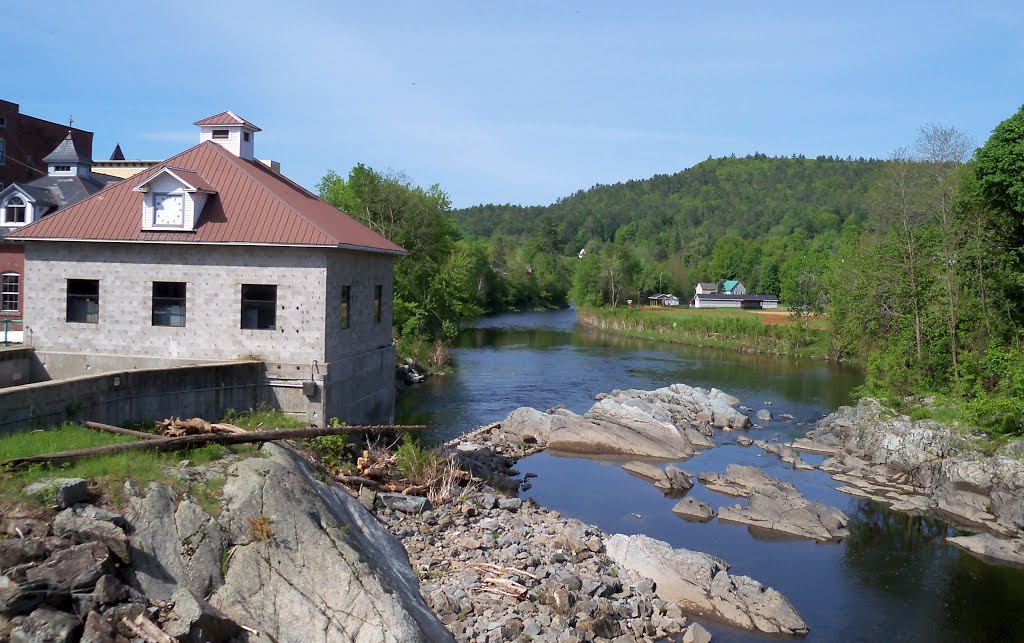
[893, 579]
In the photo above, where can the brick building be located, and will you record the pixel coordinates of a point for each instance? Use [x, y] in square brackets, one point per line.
[211, 255]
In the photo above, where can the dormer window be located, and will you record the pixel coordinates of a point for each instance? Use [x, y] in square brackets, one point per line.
[61, 168]
[14, 213]
[245, 136]
[221, 134]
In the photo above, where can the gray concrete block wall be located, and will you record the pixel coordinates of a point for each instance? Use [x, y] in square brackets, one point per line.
[214, 275]
[362, 272]
[361, 389]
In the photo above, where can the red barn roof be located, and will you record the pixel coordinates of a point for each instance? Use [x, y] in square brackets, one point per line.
[252, 205]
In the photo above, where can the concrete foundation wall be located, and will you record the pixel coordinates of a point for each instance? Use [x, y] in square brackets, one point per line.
[19, 366]
[145, 394]
[361, 389]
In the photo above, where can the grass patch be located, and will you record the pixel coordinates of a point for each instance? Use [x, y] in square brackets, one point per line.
[263, 416]
[106, 473]
[741, 330]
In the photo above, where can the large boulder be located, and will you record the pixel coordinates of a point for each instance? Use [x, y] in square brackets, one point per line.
[321, 568]
[174, 544]
[701, 585]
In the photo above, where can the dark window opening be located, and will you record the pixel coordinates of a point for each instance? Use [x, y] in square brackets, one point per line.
[245, 135]
[15, 211]
[169, 303]
[84, 301]
[10, 289]
[61, 168]
[346, 293]
[378, 294]
[220, 134]
[259, 306]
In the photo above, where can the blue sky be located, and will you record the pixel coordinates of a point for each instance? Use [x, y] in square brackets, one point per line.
[520, 102]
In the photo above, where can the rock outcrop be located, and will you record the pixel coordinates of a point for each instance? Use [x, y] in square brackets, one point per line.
[925, 467]
[701, 584]
[327, 570]
[775, 505]
[671, 423]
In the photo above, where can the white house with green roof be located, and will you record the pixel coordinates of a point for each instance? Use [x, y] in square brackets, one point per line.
[733, 287]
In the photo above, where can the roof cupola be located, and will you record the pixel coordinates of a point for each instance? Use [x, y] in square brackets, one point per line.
[231, 132]
[67, 160]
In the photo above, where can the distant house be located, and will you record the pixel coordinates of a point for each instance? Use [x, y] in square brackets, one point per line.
[706, 288]
[662, 299]
[735, 301]
[733, 287]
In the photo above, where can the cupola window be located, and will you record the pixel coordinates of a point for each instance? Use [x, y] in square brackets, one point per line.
[221, 134]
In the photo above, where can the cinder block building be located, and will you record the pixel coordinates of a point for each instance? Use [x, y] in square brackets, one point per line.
[213, 256]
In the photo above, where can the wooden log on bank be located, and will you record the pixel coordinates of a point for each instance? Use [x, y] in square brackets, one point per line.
[107, 428]
[176, 444]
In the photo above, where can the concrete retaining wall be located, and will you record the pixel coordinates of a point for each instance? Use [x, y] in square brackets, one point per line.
[144, 394]
[19, 366]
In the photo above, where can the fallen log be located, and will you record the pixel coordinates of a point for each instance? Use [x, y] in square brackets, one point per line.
[116, 429]
[357, 480]
[176, 444]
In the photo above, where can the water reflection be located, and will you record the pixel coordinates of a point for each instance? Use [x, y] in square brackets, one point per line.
[894, 578]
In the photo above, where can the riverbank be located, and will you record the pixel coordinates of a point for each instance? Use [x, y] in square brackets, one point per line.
[734, 330]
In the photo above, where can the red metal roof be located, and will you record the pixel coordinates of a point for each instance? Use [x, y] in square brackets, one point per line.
[226, 118]
[252, 205]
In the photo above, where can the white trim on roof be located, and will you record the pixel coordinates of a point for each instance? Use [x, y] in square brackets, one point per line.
[170, 170]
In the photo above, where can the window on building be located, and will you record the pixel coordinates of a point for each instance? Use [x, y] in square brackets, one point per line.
[10, 292]
[84, 301]
[15, 210]
[169, 303]
[259, 306]
[245, 135]
[61, 168]
[3, 152]
[346, 294]
[3, 122]
[220, 134]
[378, 294]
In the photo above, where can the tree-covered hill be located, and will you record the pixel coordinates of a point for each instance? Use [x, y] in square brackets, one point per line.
[747, 197]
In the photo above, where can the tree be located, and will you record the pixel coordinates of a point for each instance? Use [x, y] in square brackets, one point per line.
[999, 166]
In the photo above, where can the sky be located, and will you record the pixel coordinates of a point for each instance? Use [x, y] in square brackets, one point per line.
[516, 102]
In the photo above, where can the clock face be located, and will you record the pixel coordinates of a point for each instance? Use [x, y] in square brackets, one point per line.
[168, 209]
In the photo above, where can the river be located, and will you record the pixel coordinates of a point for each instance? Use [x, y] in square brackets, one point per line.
[894, 578]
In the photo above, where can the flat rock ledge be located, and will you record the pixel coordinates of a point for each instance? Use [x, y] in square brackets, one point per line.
[672, 423]
[775, 505]
[923, 467]
[701, 584]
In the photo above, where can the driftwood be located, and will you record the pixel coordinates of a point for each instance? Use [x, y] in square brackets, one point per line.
[357, 481]
[147, 630]
[176, 444]
[176, 427]
[116, 429]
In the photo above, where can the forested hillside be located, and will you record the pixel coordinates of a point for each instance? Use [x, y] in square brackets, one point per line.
[724, 218]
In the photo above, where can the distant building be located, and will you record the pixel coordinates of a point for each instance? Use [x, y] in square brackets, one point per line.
[735, 301]
[213, 256]
[25, 140]
[733, 287]
[662, 299]
[68, 180]
[706, 288]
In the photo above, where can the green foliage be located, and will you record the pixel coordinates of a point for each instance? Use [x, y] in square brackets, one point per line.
[332, 450]
[263, 416]
[416, 463]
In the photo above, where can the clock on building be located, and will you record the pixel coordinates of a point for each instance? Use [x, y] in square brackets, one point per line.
[168, 209]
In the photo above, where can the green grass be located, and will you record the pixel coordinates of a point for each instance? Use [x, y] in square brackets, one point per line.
[262, 416]
[106, 473]
[730, 329]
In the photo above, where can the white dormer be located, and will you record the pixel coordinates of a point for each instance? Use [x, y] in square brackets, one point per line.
[230, 131]
[173, 200]
[16, 208]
